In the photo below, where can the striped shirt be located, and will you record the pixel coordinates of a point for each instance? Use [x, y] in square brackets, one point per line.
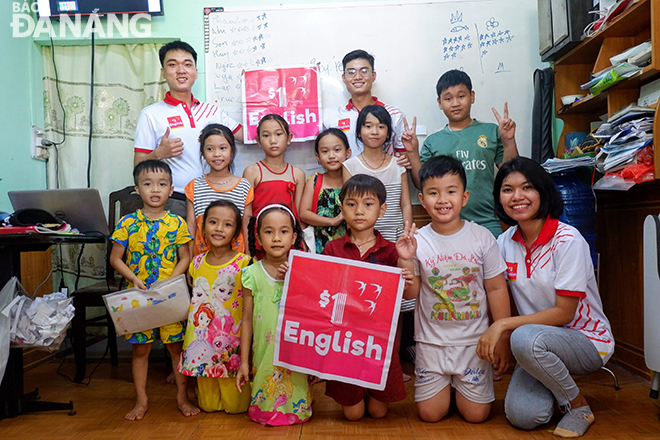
[201, 193]
[391, 225]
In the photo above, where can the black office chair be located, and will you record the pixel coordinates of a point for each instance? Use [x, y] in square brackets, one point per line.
[122, 202]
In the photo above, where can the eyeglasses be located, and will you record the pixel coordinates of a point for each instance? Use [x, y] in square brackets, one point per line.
[364, 71]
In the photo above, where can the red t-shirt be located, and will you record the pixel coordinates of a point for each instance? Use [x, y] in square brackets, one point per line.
[382, 252]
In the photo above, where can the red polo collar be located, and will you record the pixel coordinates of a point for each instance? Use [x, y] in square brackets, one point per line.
[173, 101]
[350, 105]
[547, 232]
[348, 244]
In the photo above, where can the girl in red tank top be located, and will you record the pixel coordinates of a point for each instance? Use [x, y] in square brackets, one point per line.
[274, 180]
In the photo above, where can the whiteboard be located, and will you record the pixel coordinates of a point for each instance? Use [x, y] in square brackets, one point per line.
[495, 42]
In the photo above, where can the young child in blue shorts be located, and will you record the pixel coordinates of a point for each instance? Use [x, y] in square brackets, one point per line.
[458, 277]
[478, 145]
[152, 241]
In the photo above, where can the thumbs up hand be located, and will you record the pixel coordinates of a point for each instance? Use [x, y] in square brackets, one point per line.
[169, 147]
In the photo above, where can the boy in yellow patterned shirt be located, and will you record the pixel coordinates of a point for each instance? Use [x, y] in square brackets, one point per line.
[152, 241]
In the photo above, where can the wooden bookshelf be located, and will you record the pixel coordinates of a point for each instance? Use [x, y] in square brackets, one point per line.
[641, 22]
[620, 214]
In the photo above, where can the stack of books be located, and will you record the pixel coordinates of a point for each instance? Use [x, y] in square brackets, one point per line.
[624, 135]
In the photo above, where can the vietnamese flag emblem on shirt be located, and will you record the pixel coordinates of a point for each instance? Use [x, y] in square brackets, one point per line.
[175, 122]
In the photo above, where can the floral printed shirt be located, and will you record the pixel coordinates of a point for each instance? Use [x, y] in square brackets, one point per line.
[151, 245]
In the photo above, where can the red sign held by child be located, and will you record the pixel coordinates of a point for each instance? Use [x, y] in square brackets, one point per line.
[338, 319]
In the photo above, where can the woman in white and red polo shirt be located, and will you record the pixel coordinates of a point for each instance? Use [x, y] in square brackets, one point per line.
[561, 328]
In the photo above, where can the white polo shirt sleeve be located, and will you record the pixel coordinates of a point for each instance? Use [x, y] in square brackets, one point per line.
[146, 138]
[570, 258]
[398, 127]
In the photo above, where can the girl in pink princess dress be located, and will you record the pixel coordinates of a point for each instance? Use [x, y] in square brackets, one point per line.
[211, 349]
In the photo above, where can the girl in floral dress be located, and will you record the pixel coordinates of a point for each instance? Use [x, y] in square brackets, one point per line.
[211, 348]
[279, 396]
[320, 201]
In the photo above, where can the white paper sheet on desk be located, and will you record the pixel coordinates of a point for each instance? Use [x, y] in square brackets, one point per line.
[135, 310]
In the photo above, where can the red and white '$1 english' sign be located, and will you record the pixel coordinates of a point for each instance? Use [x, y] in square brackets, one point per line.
[338, 319]
[293, 93]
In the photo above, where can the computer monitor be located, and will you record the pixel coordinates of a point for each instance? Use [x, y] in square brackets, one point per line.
[56, 8]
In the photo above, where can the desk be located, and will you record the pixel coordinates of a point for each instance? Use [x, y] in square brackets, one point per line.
[12, 399]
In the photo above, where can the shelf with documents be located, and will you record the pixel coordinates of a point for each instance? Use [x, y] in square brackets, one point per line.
[641, 22]
[620, 214]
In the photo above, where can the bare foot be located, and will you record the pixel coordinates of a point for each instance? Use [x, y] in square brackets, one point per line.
[188, 409]
[138, 412]
[170, 379]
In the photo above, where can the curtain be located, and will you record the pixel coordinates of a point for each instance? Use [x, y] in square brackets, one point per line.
[126, 79]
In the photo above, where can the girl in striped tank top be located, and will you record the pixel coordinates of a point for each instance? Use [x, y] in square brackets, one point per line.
[218, 148]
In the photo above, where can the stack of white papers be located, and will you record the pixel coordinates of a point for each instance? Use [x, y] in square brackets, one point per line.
[625, 133]
[613, 157]
[630, 112]
[631, 130]
[556, 165]
[632, 55]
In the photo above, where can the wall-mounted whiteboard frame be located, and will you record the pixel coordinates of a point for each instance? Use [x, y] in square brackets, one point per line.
[413, 43]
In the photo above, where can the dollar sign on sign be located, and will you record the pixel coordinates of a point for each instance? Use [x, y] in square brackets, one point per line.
[325, 298]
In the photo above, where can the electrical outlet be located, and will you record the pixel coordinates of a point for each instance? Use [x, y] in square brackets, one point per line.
[38, 151]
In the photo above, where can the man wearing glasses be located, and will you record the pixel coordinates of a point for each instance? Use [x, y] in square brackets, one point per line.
[359, 76]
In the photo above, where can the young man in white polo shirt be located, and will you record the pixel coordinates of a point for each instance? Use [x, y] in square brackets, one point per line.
[359, 76]
[169, 130]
